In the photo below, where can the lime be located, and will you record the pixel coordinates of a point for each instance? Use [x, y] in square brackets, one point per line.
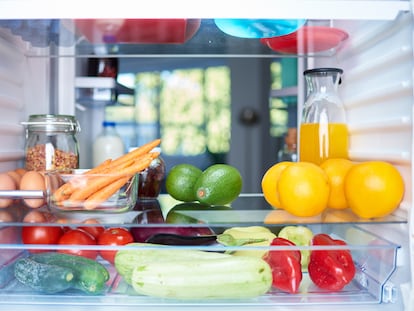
[219, 184]
[180, 182]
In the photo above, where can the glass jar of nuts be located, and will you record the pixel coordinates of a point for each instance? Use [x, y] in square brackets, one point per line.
[51, 142]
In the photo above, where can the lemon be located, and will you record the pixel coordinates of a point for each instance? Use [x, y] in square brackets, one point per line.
[374, 189]
[336, 169]
[303, 189]
[269, 183]
[180, 182]
[219, 184]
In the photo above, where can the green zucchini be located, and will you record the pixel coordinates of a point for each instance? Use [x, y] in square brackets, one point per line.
[90, 276]
[43, 277]
[127, 259]
[170, 272]
[230, 277]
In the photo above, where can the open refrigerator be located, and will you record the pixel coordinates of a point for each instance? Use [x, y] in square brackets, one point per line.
[41, 43]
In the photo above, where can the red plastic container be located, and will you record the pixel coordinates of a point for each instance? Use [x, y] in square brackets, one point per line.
[137, 30]
[308, 39]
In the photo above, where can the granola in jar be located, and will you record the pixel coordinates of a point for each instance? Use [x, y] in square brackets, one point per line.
[51, 142]
[46, 157]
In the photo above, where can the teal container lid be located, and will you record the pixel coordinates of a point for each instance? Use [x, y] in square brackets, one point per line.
[259, 28]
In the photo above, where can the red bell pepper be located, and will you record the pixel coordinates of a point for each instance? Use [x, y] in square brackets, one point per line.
[330, 269]
[285, 265]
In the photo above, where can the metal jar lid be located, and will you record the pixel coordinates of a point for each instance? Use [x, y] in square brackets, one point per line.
[52, 123]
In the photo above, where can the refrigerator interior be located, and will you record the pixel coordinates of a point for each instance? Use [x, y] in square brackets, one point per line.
[377, 90]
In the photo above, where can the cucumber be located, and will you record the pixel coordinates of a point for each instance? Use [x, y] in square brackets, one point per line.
[90, 276]
[127, 259]
[225, 278]
[43, 277]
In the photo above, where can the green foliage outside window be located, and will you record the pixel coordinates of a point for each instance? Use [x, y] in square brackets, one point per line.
[190, 107]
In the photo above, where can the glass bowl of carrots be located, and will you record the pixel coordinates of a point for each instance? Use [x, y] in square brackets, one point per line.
[78, 190]
[112, 186]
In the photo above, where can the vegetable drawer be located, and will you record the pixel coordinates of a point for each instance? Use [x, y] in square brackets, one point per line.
[151, 274]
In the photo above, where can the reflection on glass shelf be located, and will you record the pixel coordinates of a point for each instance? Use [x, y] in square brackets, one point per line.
[247, 210]
[253, 209]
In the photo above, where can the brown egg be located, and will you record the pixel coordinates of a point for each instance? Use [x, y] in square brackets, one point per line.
[33, 180]
[21, 171]
[6, 183]
[35, 217]
[6, 216]
[16, 177]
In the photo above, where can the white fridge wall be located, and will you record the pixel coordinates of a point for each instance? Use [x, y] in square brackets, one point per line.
[377, 92]
[24, 89]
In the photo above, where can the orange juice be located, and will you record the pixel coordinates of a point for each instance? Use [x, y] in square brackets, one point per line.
[319, 142]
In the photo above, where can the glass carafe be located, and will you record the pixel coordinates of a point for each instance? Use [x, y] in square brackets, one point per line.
[323, 130]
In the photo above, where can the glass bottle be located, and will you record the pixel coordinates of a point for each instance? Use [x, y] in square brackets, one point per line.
[51, 142]
[108, 144]
[289, 149]
[323, 129]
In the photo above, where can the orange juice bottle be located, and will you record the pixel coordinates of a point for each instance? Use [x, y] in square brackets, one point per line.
[323, 131]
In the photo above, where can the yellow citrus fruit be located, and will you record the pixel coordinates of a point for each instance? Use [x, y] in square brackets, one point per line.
[336, 169]
[374, 189]
[303, 189]
[269, 183]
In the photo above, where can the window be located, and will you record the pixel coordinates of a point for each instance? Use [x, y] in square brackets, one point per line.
[188, 108]
[283, 114]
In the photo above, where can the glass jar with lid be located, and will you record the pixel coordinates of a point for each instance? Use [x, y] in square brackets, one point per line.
[51, 142]
[150, 179]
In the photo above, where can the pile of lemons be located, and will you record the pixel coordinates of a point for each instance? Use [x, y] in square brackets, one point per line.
[370, 189]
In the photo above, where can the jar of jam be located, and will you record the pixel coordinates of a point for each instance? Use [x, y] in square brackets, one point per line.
[51, 142]
[150, 179]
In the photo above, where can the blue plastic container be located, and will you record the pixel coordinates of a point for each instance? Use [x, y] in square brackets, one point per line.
[259, 28]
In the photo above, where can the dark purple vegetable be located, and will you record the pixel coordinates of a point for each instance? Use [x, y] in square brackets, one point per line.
[141, 234]
[177, 239]
[152, 222]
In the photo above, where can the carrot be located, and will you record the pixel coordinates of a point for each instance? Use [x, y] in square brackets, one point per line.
[144, 149]
[63, 192]
[100, 182]
[116, 168]
[105, 193]
[101, 167]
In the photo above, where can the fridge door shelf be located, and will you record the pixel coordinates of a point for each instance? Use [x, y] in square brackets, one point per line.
[99, 91]
[374, 258]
